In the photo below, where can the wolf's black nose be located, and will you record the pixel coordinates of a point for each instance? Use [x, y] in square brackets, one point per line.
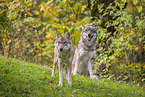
[89, 35]
[61, 49]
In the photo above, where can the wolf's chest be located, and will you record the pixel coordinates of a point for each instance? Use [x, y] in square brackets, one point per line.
[85, 55]
[65, 54]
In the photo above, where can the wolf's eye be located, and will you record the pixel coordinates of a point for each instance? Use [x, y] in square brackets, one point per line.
[65, 43]
[58, 41]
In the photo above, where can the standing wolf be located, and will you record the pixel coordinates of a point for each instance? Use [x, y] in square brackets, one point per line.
[85, 52]
[64, 52]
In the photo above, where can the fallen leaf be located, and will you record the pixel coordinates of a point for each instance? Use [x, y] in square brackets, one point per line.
[9, 63]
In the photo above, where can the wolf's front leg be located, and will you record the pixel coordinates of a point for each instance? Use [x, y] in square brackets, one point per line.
[90, 68]
[73, 65]
[60, 74]
[90, 71]
[53, 69]
[76, 66]
[69, 75]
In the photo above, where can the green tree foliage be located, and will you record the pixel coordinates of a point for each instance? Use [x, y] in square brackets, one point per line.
[121, 56]
[28, 27]
[28, 31]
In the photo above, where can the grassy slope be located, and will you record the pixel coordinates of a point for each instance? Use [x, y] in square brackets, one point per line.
[24, 79]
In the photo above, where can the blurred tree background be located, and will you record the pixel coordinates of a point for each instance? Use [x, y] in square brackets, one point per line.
[28, 31]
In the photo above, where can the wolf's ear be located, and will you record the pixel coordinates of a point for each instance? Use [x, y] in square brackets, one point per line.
[68, 35]
[58, 34]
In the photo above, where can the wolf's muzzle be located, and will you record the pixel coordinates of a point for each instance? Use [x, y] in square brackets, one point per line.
[90, 36]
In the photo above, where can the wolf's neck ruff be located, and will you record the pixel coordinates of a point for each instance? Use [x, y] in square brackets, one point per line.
[87, 47]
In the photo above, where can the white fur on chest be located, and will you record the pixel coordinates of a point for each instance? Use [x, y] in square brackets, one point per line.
[85, 56]
[84, 53]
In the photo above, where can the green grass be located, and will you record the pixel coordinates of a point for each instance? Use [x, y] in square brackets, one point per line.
[19, 78]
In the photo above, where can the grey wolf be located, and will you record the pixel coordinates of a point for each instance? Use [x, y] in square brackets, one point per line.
[64, 52]
[85, 52]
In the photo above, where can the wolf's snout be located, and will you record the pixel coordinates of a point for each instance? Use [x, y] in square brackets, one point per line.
[61, 49]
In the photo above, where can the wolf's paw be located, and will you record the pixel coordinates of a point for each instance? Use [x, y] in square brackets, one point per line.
[94, 76]
[59, 85]
[75, 73]
[53, 75]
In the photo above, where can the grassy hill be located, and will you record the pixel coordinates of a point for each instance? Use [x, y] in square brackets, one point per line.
[19, 78]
